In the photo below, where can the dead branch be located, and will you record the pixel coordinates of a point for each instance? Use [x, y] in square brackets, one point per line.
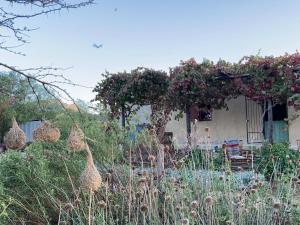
[10, 30]
[50, 87]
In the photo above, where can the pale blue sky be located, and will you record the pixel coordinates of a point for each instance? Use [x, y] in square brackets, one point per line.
[157, 34]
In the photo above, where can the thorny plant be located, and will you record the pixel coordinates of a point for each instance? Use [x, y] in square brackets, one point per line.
[185, 195]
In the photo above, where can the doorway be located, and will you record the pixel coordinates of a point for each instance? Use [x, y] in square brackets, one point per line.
[280, 125]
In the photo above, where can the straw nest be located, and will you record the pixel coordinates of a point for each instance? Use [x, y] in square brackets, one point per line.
[90, 179]
[46, 132]
[15, 138]
[76, 141]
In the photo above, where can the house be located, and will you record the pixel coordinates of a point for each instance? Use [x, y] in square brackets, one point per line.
[244, 120]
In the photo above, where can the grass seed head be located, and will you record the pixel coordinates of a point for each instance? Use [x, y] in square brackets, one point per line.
[145, 173]
[68, 207]
[168, 198]
[209, 200]
[138, 194]
[185, 221]
[144, 208]
[30, 158]
[151, 158]
[194, 214]
[276, 204]
[194, 204]
[253, 190]
[102, 204]
[143, 180]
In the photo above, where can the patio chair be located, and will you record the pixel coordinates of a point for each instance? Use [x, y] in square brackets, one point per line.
[234, 153]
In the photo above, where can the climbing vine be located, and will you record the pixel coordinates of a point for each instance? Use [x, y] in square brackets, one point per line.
[130, 91]
[203, 85]
[275, 78]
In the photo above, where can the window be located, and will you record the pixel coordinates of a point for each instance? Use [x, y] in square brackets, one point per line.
[168, 137]
[205, 115]
[279, 112]
[201, 113]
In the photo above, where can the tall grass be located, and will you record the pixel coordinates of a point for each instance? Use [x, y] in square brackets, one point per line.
[39, 188]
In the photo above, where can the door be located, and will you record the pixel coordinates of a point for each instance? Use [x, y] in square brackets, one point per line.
[280, 125]
[280, 131]
[254, 122]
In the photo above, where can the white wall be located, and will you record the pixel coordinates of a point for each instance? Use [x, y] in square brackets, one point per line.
[142, 116]
[294, 127]
[225, 125]
[178, 128]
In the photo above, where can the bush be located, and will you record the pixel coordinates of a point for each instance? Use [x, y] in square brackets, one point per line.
[34, 182]
[37, 188]
[278, 159]
[205, 159]
[104, 137]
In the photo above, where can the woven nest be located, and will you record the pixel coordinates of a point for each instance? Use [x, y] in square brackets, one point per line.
[46, 132]
[15, 138]
[76, 139]
[90, 179]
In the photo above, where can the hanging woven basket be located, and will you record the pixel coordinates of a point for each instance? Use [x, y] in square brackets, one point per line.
[46, 132]
[76, 141]
[15, 138]
[90, 179]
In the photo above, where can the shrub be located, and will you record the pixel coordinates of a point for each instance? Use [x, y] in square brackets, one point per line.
[278, 159]
[35, 181]
[203, 159]
[103, 136]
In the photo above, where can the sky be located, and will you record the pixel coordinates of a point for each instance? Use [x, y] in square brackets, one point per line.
[156, 34]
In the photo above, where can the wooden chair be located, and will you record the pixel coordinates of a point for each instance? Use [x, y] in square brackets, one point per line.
[238, 158]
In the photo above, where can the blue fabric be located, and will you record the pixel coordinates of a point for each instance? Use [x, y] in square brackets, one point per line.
[232, 142]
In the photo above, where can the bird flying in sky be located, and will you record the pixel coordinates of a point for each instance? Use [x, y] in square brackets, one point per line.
[98, 45]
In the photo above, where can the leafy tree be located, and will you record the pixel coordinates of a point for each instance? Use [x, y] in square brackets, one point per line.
[17, 99]
[200, 85]
[129, 91]
[14, 15]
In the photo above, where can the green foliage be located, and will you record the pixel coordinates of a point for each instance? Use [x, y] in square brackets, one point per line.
[278, 159]
[104, 136]
[37, 186]
[199, 84]
[205, 159]
[205, 85]
[275, 78]
[34, 181]
[140, 87]
[17, 99]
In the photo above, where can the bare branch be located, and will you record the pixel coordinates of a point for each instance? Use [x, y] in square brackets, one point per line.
[50, 87]
[10, 30]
